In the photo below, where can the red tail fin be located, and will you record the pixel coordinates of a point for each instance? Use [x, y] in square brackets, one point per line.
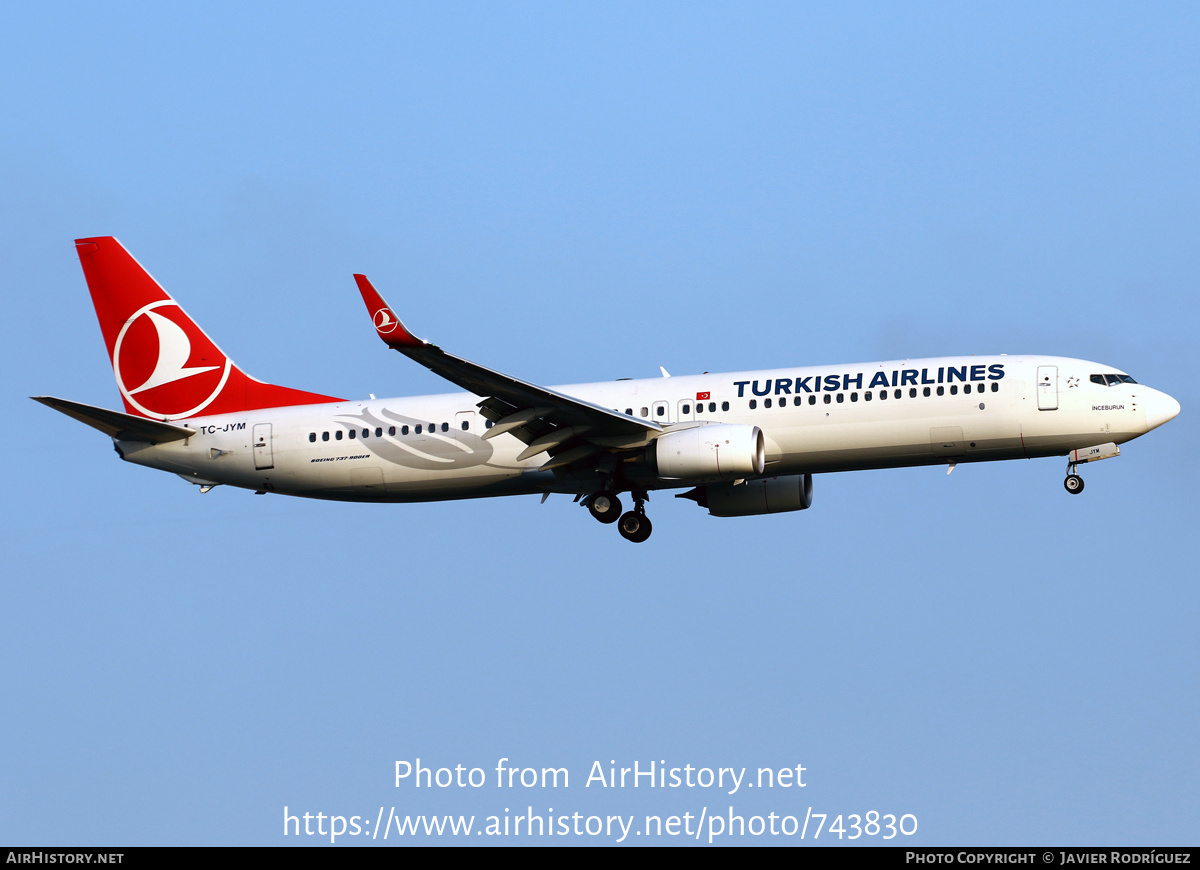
[166, 367]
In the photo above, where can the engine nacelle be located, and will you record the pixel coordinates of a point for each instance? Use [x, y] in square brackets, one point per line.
[772, 495]
[718, 450]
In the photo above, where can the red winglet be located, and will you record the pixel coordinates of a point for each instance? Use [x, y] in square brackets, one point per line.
[387, 324]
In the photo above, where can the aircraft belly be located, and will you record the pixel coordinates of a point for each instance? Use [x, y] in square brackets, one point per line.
[438, 489]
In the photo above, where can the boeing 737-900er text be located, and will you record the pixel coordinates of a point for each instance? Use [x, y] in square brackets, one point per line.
[741, 444]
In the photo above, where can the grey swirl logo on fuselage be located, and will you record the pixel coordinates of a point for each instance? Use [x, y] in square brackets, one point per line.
[429, 451]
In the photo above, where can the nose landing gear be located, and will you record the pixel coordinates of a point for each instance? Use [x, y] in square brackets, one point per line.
[1073, 483]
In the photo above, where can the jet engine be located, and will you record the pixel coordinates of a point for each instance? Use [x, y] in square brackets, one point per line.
[771, 495]
[718, 450]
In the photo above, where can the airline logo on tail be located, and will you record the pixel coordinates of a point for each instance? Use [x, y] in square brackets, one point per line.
[166, 367]
[153, 350]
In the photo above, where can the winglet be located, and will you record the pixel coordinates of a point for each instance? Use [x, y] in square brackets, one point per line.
[387, 324]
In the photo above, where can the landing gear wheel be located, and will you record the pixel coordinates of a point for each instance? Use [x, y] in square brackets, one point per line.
[605, 506]
[1074, 484]
[635, 527]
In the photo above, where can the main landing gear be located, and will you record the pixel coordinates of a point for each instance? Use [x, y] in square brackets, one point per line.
[633, 525]
[1073, 483]
[604, 506]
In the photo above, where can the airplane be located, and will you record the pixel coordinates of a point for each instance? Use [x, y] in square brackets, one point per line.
[740, 444]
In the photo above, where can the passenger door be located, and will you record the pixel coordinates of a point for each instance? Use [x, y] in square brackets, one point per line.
[1047, 388]
[263, 458]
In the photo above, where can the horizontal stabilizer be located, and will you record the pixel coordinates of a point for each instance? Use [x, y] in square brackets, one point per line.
[124, 426]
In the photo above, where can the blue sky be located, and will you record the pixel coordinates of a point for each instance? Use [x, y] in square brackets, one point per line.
[575, 193]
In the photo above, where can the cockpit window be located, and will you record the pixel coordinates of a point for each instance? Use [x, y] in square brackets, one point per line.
[1098, 379]
[1112, 380]
[1125, 379]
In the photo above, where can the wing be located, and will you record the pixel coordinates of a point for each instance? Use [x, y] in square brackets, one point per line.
[571, 430]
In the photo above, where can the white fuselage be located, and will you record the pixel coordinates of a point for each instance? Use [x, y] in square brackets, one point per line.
[977, 409]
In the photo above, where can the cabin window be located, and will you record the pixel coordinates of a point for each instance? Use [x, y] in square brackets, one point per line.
[941, 391]
[753, 404]
[466, 425]
[724, 406]
[854, 397]
[995, 387]
[766, 403]
[812, 400]
[882, 395]
[366, 433]
[687, 409]
[312, 436]
[337, 436]
[403, 430]
[324, 436]
[867, 395]
[912, 392]
[645, 412]
[445, 427]
[391, 430]
[966, 389]
[926, 392]
[378, 431]
[629, 412]
[900, 393]
[954, 389]
[828, 398]
[417, 429]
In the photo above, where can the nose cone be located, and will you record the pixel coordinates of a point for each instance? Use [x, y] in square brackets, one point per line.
[1159, 409]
